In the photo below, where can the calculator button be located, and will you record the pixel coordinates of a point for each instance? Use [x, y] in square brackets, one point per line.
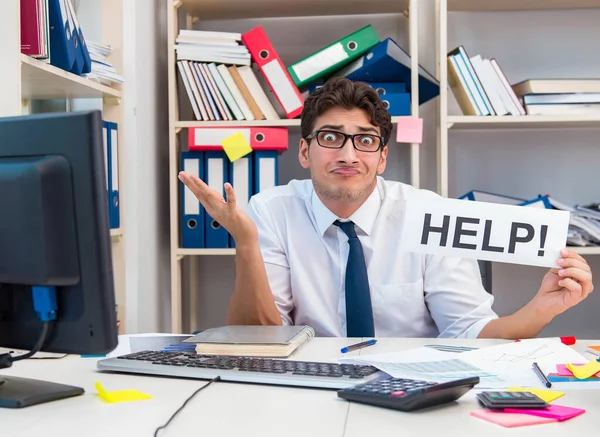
[397, 394]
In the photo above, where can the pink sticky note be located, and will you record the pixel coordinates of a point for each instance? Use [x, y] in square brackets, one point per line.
[409, 130]
[510, 420]
[557, 412]
[562, 370]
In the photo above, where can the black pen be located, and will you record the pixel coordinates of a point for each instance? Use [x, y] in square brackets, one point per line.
[541, 375]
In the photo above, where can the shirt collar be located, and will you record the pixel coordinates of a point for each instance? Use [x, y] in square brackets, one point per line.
[364, 217]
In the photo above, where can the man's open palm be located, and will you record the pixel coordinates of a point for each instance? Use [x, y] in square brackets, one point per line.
[225, 212]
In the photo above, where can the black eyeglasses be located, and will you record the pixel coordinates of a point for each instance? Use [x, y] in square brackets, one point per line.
[332, 139]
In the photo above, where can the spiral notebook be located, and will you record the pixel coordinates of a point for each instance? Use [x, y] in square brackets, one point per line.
[252, 341]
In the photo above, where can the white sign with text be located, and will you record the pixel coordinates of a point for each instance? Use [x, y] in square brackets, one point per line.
[487, 231]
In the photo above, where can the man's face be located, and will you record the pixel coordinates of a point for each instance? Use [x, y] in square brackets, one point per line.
[343, 175]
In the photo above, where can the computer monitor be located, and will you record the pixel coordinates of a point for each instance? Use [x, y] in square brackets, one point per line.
[56, 274]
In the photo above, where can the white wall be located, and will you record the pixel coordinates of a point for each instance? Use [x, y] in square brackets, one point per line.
[519, 162]
[146, 211]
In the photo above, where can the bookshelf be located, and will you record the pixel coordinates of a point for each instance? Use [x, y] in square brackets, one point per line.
[211, 9]
[295, 122]
[184, 14]
[492, 124]
[518, 5]
[521, 122]
[24, 79]
[40, 80]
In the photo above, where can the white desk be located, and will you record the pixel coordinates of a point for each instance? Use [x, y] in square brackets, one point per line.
[231, 409]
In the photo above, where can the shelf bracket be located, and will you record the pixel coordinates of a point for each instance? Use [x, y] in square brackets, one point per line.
[115, 238]
[177, 130]
[195, 20]
[111, 100]
[179, 257]
[177, 4]
[406, 12]
[450, 124]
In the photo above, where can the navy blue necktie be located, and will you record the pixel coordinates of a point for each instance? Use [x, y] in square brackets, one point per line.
[359, 314]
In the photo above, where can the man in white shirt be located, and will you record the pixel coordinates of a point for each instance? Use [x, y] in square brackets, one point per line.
[326, 252]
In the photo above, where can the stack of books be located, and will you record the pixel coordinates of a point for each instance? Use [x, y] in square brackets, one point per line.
[205, 46]
[560, 96]
[221, 73]
[480, 86]
[216, 71]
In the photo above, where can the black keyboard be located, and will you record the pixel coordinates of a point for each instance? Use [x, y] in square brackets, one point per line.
[243, 369]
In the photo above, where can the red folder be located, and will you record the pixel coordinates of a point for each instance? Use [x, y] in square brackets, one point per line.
[270, 65]
[30, 28]
[203, 139]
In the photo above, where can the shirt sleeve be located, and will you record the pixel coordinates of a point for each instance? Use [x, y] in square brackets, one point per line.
[454, 293]
[274, 257]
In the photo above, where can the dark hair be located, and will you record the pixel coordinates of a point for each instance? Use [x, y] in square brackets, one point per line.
[341, 92]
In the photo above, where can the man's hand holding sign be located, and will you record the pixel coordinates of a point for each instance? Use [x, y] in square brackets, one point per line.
[505, 233]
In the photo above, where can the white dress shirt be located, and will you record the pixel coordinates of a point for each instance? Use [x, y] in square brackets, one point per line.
[412, 294]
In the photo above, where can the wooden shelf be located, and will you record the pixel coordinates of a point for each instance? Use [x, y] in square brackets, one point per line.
[40, 80]
[116, 235]
[589, 250]
[522, 121]
[284, 122]
[227, 9]
[245, 123]
[519, 5]
[194, 252]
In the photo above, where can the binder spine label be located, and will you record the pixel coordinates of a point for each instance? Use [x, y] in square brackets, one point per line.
[285, 91]
[326, 58]
[241, 175]
[215, 175]
[267, 173]
[212, 136]
[192, 205]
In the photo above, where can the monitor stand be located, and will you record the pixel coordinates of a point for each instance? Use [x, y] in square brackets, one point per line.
[23, 392]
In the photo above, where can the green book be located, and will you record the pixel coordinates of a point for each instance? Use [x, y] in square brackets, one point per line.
[333, 57]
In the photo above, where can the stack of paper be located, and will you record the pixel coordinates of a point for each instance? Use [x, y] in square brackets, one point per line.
[430, 365]
[501, 366]
[207, 46]
[584, 224]
[102, 70]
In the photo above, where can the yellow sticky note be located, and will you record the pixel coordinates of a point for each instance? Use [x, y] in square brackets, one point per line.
[114, 397]
[546, 395]
[586, 371]
[236, 146]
